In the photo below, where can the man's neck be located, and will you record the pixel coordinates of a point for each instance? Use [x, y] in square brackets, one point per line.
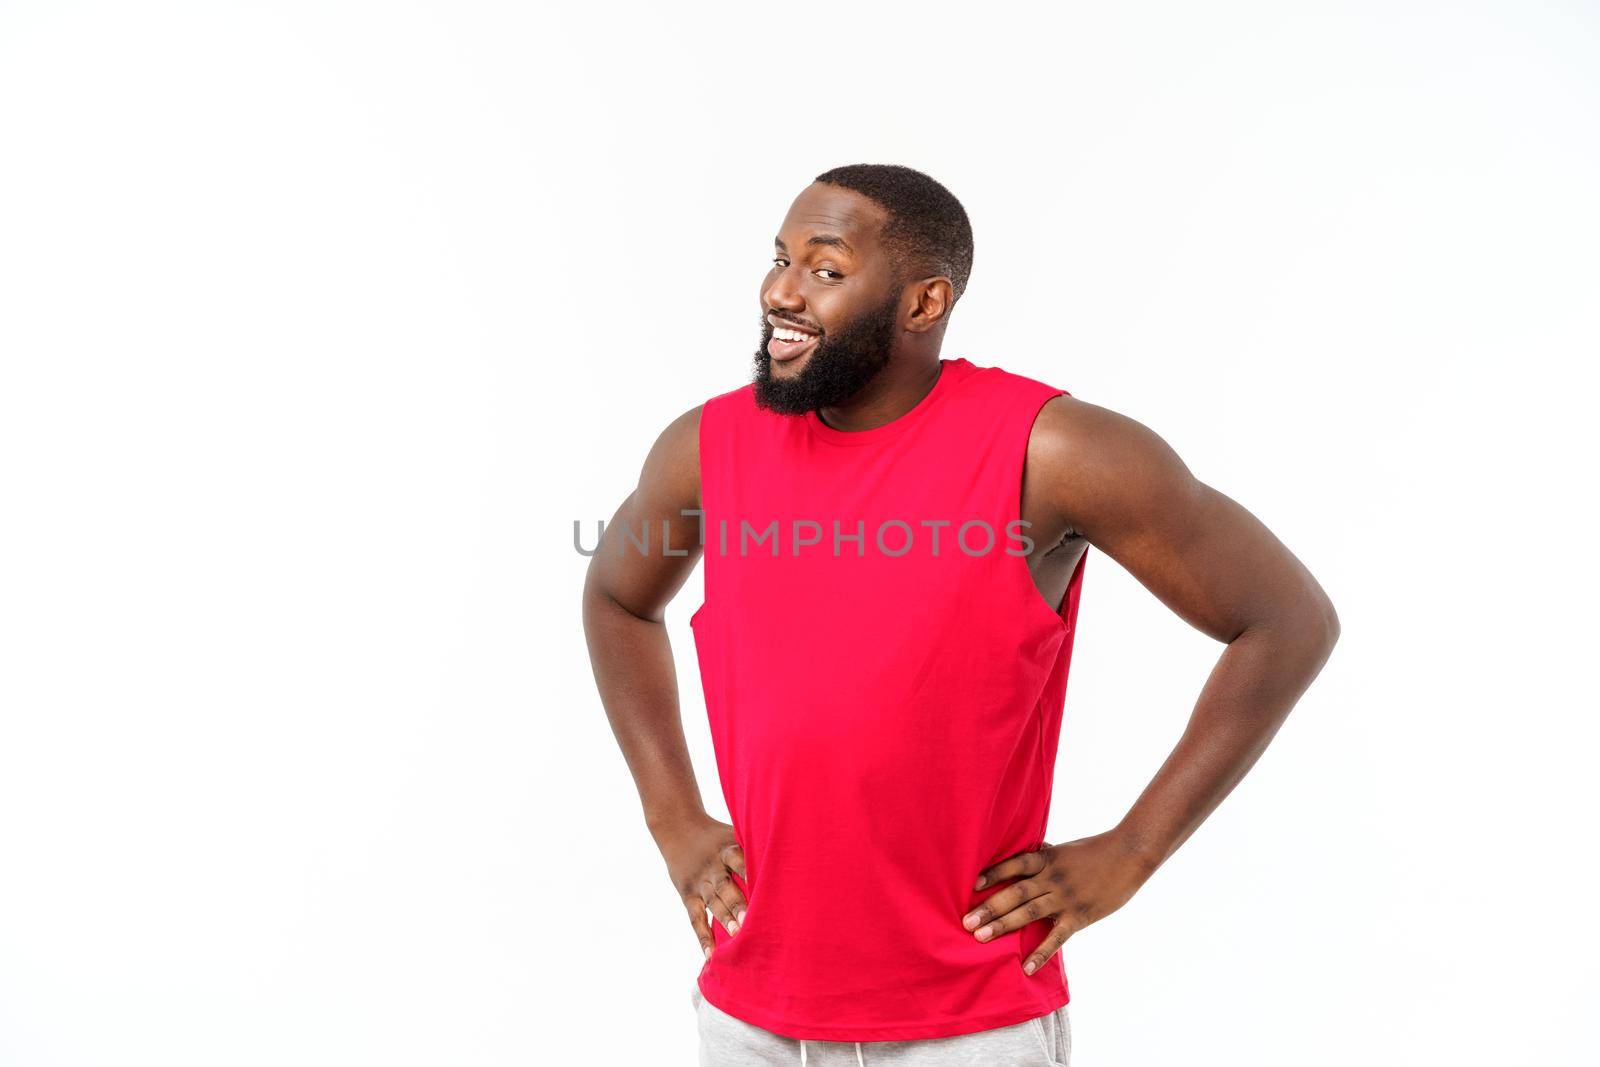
[898, 388]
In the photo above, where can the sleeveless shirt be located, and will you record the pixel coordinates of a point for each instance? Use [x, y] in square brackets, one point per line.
[884, 684]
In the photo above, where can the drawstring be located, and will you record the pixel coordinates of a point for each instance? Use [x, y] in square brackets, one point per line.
[859, 1060]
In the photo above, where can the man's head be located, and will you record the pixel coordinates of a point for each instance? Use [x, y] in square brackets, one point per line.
[868, 263]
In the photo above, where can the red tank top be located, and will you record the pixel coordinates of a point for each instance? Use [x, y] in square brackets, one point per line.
[884, 684]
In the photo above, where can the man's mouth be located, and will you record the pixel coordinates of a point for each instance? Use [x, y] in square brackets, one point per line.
[788, 343]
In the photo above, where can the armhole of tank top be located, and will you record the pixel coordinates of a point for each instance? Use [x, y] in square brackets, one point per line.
[1035, 404]
[700, 459]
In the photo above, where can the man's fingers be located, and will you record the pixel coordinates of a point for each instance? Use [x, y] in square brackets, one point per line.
[711, 891]
[729, 894]
[733, 858]
[1023, 864]
[1065, 927]
[697, 919]
[1006, 900]
[1031, 910]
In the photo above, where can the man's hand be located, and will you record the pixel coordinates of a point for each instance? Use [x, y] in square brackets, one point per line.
[1073, 885]
[699, 856]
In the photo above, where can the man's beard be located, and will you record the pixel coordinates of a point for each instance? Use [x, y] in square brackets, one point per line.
[837, 368]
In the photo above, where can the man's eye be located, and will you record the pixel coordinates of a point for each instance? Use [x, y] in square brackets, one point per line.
[778, 261]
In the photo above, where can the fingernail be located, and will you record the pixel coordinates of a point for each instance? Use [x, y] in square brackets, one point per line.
[1029, 967]
[982, 881]
[708, 950]
[984, 934]
[970, 920]
[733, 927]
[739, 915]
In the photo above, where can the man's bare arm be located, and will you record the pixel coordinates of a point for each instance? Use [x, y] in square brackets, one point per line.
[625, 595]
[1122, 488]
[1117, 484]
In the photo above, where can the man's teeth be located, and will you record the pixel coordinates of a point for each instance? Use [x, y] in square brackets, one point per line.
[791, 335]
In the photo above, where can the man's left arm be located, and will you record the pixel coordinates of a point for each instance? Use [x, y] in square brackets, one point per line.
[1117, 484]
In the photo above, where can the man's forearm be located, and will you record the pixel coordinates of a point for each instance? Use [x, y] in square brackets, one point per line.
[1249, 694]
[638, 684]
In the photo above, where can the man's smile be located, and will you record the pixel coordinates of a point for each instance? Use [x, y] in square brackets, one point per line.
[789, 342]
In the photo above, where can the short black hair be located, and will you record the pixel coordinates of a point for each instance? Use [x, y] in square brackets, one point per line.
[927, 232]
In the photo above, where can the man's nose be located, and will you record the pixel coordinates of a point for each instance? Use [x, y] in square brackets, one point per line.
[783, 293]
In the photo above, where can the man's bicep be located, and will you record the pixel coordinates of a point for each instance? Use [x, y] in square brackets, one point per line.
[650, 545]
[1127, 492]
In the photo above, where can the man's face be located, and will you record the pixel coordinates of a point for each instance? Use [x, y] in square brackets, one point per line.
[832, 285]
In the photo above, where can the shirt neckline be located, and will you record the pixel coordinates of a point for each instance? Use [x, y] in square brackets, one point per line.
[951, 372]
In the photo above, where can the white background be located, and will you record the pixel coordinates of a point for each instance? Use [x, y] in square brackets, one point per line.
[322, 323]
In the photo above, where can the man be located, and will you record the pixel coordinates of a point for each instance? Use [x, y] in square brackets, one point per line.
[894, 546]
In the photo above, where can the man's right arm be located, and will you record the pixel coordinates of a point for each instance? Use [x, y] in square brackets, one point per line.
[625, 595]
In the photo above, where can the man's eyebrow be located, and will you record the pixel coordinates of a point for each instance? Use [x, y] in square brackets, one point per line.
[820, 239]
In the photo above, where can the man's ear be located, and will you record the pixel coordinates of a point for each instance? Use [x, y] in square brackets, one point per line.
[931, 302]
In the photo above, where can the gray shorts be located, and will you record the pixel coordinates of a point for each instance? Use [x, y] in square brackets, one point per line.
[1045, 1041]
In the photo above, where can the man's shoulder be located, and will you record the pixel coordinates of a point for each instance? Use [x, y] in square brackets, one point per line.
[1075, 441]
[1008, 389]
[679, 444]
[732, 403]
[739, 394]
[675, 455]
[683, 432]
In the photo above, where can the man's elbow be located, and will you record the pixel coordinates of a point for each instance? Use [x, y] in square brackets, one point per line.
[1319, 628]
[1305, 627]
